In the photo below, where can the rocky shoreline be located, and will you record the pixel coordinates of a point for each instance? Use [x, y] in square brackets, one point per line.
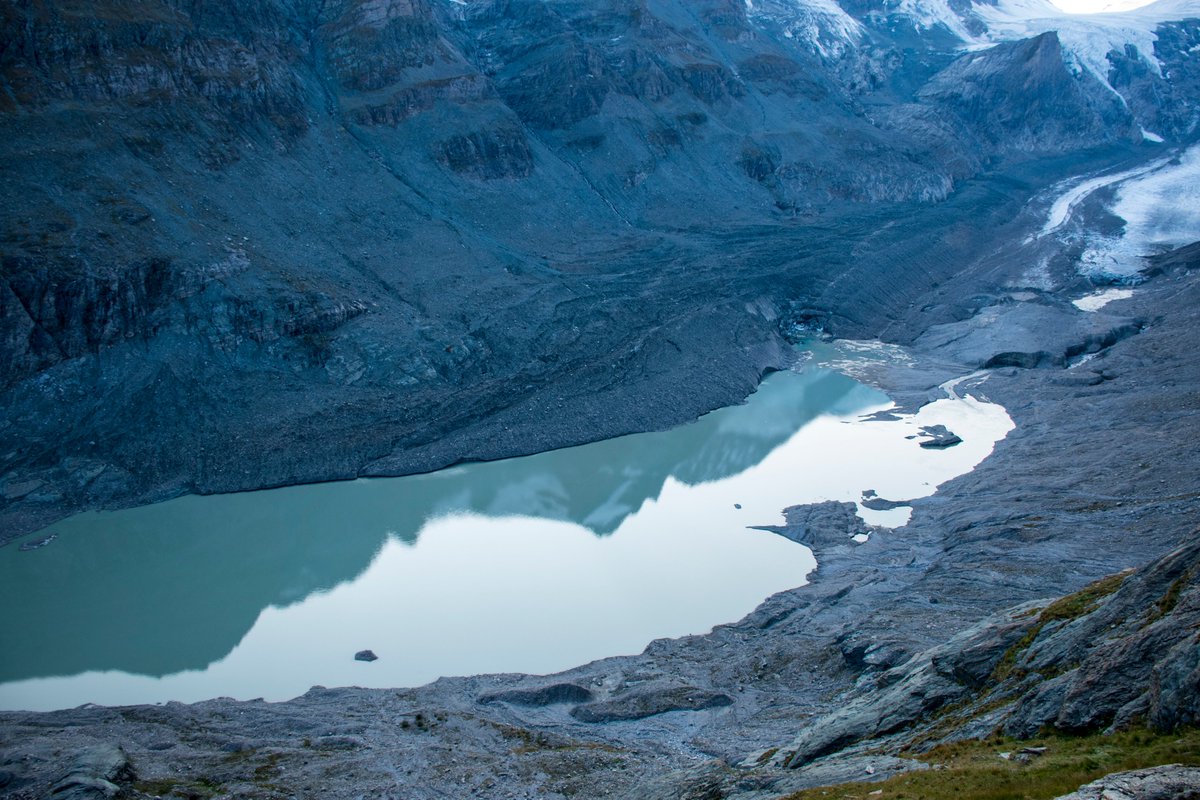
[1098, 477]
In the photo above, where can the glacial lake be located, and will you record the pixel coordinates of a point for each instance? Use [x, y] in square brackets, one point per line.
[532, 564]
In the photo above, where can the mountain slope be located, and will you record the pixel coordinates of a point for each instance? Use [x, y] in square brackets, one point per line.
[264, 243]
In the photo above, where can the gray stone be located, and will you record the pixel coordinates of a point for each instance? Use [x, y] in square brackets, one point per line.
[1170, 782]
[650, 701]
[98, 772]
[541, 696]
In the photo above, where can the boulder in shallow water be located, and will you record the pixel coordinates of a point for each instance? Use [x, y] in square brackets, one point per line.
[940, 437]
[366, 655]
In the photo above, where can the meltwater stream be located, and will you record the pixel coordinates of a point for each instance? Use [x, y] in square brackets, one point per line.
[531, 564]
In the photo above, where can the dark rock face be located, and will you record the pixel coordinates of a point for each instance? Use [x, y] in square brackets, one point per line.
[649, 701]
[1021, 97]
[542, 696]
[1153, 100]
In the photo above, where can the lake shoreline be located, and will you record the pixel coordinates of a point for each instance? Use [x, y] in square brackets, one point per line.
[1056, 505]
[748, 685]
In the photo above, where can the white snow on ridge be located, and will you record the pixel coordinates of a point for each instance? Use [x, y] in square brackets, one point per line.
[1090, 37]
[927, 14]
[1087, 37]
[1161, 210]
[822, 23]
[1094, 7]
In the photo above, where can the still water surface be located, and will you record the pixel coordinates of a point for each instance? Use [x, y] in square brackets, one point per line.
[532, 564]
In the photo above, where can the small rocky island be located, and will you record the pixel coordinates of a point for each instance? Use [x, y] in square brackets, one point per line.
[260, 244]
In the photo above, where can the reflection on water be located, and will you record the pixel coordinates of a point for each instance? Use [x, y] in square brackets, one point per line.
[530, 564]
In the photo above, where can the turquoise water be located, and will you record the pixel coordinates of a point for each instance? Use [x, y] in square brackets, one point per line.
[532, 564]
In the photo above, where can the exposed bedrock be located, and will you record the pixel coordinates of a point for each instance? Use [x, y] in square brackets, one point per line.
[1121, 650]
[1026, 335]
[1169, 782]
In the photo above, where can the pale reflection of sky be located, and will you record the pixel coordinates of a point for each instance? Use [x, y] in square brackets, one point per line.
[481, 590]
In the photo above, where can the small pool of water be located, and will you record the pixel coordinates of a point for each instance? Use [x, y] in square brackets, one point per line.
[532, 564]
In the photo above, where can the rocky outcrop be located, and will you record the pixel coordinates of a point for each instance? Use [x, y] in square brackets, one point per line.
[1022, 97]
[1170, 782]
[648, 701]
[96, 774]
[1124, 650]
[1026, 335]
[541, 696]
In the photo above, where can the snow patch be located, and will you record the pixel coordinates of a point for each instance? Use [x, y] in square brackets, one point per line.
[1089, 37]
[1098, 300]
[1067, 202]
[1093, 7]
[822, 23]
[1161, 209]
[927, 14]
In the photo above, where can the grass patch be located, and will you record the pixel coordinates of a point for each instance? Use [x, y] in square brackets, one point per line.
[200, 789]
[539, 742]
[767, 755]
[1085, 600]
[264, 772]
[1166, 604]
[975, 770]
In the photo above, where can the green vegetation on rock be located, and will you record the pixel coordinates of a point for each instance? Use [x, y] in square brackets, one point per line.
[1070, 607]
[977, 770]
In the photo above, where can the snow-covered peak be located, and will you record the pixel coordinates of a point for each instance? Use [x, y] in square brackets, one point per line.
[1102, 7]
[927, 14]
[1089, 38]
[821, 23]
